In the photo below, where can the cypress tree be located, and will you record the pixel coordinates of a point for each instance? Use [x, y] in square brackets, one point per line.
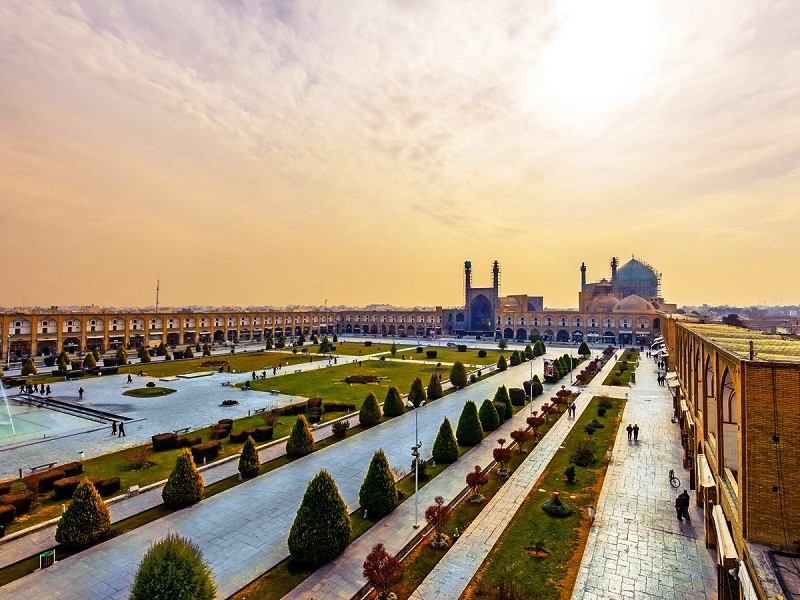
[538, 348]
[96, 354]
[63, 361]
[502, 365]
[393, 349]
[458, 375]
[301, 441]
[319, 535]
[206, 350]
[89, 361]
[393, 404]
[161, 350]
[185, 484]
[417, 393]
[490, 420]
[529, 352]
[270, 343]
[188, 353]
[335, 338]
[445, 448]
[370, 413]
[514, 358]
[583, 349]
[435, 388]
[469, 431]
[144, 355]
[249, 462]
[501, 395]
[86, 519]
[29, 368]
[122, 356]
[378, 495]
[173, 568]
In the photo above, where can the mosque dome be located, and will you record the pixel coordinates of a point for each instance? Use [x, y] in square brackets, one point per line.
[633, 303]
[603, 303]
[637, 278]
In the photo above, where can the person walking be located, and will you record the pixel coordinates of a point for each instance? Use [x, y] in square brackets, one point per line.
[130, 379]
[685, 501]
[48, 390]
[635, 432]
[629, 429]
[80, 393]
[121, 429]
[113, 428]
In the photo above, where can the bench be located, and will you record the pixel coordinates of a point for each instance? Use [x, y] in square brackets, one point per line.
[258, 411]
[226, 383]
[274, 391]
[181, 430]
[297, 370]
[49, 465]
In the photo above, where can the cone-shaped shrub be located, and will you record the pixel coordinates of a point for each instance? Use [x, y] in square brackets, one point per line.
[29, 368]
[249, 462]
[89, 361]
[417, 393]
[469, 431]
[529, 352]
[63, 360]
[144, 355]
[86, 520]
[435, 388]
[173, 568]
[445, 448]
[502, 365]
[537, 388]
[300, 441]
[393, 405]
[490, 420]
[122, 356]
[393, 349]
[271, 344]
[515, 358]
[370, 413]
[501, 395]
[96, 354]
[185, 484]
[583, 349]
[188, 353]
[458, 375]
[161, 350]
[321, 528]
[538, 348]
[206, 350]
[378, 495]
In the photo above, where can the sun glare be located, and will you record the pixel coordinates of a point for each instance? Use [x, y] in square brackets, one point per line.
[596, 59]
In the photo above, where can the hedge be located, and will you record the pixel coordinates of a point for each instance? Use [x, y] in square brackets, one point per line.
[164, 441]
[517, 396]
[338, 407]
[7, 513]
[5, 488]
[431, 353]
[208, 450]
[21, 501]
[187, 442]
[263, 433]
[43, 482]
[64, 488]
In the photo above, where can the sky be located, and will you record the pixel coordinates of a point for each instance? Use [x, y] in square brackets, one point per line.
[278, 153]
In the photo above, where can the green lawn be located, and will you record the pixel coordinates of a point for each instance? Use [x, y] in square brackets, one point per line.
[551, 576]
[149, 392]
[625, 365]
[328, 383]
[450, 355]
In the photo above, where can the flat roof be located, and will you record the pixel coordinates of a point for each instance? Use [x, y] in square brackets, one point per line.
[737, 341]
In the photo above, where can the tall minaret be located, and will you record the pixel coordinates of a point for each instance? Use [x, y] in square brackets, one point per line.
[467, 282]
[583, 276]
[614, 263]
[496, 278]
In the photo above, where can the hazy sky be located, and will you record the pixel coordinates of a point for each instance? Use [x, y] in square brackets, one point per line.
[291, 152]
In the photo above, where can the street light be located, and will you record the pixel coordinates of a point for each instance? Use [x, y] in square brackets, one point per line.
[415, 453]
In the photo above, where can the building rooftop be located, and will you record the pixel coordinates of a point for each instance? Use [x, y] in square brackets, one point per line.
[737, 341]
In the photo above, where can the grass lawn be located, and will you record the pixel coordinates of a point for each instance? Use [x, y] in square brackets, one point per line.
[149, 392]
[551, 576]
[356, 348]
[328, 383]
[621, 373]
[450, 355]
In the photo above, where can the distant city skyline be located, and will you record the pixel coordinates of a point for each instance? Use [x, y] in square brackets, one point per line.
[276, 153]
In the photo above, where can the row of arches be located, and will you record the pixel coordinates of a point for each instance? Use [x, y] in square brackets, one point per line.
[576, 336]
[625, 322]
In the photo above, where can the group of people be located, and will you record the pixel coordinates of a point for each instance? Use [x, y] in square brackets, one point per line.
[662, 378]
[118, 431]
[34, 388]
[682, 506]
[571, 410]
[633, 432]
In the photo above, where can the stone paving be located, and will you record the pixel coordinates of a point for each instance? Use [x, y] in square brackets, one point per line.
[242, 532]
[637, 548]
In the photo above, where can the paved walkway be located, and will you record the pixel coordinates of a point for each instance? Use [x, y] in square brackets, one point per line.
[637, 548]
[243, 532]
[451, 576]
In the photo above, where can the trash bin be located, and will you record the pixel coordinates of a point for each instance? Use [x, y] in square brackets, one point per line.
[633, 377]
[46, 559]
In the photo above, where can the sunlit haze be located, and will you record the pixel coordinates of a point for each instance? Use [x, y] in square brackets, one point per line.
[252, 153]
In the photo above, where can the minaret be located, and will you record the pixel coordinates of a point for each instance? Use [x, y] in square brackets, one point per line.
[467, 282]
[583, 276]
[496, 278]
[614, 263]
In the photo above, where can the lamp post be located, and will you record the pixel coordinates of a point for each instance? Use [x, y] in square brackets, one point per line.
[415, 453]
[530, 387]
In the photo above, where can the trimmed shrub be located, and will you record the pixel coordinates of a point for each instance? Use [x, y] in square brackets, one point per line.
[582, 455]
[529, 352]
[185, 484]
[469, 431]
[461, 347]
[122, 356]
[378, 495]
[445, 448]
[207, 451]
[538, 348]
[393, 404]
[555, 507]
[501, 395]
[63, 361]
[5, 488]
[601, 412]
[370, 413]
[481, 353]
[187, 442]
[86, 519]
[7, 513]
[43, 482]
[301, 441]
[434, 388]
[517, 396]
[340, 407]
[71, 469]
[188, 353]
[420, 349]
[89, 361]
[583, 349]
[515, 360]
[570, 473]
[360, 379]
[431, 353]
[249, 463]
[164, 441]
[144, 355]
[339, 428]
[605, 402]
[30, 369]
[108, 486]
[458, 375]
[263, 433]
[368, 343]
[317, 535]
[64, 488]
[161, 350]
[206, 350]
[21, 501]
[173, 568]
[502, 365]
[238, 437]
[417, 393]
[489, 418]
[500, 407]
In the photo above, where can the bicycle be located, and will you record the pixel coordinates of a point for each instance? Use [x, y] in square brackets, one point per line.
[674, 481]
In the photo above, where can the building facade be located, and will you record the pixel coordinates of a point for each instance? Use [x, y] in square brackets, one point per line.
[737, 398]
